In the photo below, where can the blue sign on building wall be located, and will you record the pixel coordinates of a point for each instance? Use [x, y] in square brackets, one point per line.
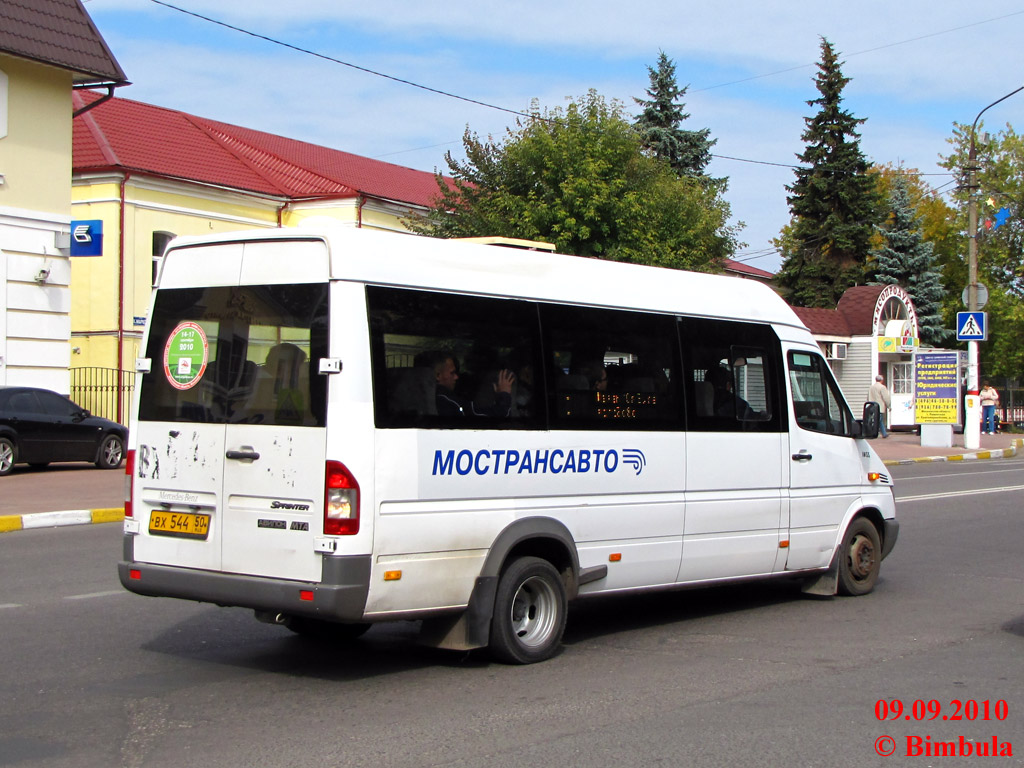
[87, 237]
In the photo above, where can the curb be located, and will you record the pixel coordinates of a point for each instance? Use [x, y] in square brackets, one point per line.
[63, 517]
[998, 453]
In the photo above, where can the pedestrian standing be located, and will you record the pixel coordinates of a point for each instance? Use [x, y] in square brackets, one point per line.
[879, 394]
[989, 401]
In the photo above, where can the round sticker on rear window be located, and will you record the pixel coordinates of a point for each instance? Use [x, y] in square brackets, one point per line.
[186, 355]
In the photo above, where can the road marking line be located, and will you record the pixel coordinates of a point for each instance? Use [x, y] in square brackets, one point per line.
[9, 605]
[108, 593]
[953, 494]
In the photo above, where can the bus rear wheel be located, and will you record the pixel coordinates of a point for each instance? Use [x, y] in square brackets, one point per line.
[530, 609]
[860, 558]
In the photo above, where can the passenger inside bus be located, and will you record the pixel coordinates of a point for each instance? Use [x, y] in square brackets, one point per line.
[449, 404]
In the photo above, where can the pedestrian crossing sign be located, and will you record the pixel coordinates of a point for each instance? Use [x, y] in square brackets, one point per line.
[971, 326]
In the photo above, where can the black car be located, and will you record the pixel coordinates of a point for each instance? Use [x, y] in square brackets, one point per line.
[38, 426]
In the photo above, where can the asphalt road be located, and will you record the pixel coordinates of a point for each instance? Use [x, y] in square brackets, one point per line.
[753, 675]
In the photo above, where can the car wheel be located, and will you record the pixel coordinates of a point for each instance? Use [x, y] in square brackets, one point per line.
[860, 558]
[7, 455]
[111, 452]
[530, 610]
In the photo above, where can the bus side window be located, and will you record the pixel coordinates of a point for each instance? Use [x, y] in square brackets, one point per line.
[611, 369]
[730, 376]
[414, 334]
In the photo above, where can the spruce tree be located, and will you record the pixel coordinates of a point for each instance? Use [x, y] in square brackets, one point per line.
[688, 152]
[833, 201]
[906, 259]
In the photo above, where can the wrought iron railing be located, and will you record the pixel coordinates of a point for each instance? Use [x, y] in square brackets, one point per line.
[106, 392]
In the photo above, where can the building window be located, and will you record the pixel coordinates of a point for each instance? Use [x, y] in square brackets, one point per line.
[160, 242]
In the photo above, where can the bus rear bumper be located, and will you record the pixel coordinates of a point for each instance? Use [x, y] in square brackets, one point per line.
[339, 596]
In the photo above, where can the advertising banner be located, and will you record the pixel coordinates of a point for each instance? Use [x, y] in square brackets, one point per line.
[936, 387]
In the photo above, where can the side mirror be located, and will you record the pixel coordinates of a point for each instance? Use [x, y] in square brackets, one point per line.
[872, 418]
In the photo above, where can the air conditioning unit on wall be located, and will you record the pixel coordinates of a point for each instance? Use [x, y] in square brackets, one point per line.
[836, 350]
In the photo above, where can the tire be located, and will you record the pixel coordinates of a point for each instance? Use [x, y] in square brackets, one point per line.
[860, 558]
[530, 609]
[8, 455]
[111, 452]
[317, 629]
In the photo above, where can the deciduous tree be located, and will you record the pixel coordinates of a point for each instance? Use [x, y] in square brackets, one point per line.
[1000, 248]
[578, 178]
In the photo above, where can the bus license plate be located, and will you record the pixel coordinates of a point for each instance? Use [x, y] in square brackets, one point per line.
[184, 524]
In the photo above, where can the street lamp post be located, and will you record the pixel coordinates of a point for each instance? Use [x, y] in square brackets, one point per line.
[972, 417]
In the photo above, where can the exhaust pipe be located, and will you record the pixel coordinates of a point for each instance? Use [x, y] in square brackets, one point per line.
[271, 617]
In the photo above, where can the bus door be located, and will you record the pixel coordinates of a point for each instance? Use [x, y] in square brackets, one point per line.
[825, 465]
[231, 443]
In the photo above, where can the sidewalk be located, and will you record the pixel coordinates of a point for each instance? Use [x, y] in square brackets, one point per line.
[27, 492]
[906, 448]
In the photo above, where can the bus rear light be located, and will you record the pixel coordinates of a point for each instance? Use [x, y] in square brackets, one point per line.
[306, 595]
[341, 501]
[129, 479]
[135, 574]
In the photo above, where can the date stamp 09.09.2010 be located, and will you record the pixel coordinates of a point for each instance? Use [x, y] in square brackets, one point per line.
[954, 710]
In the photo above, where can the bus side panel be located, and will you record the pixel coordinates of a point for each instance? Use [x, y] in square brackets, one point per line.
[469, 491]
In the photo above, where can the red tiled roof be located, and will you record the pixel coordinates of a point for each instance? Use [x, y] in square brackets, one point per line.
[745, 269]
[853, 316]
[122, 134]
[858, 307]
[824, 322]
[58, 32]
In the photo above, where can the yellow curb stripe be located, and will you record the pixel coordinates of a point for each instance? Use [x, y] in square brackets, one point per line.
[10, 523]
[109, 515]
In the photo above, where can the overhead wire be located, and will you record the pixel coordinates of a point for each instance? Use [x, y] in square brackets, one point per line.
[533, 116]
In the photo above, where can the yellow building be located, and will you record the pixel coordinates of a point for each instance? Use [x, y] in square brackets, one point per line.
[144, 174]
[46, 51]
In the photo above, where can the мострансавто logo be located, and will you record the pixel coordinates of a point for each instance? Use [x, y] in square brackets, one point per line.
[538, 462]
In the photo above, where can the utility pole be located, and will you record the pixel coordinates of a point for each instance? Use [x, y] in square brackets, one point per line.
[972, 416]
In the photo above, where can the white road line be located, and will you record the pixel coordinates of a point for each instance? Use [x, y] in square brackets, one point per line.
[953, 494]
[9, 605]
[947, 474]
[91, 595]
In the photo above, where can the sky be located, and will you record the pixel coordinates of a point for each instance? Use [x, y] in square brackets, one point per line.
[916, 67]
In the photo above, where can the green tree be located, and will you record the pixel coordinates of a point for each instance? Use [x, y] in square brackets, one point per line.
[578, 178]
[906, 259]
[1000, 248]
[938, 225]
[833, 201]
[688, 152]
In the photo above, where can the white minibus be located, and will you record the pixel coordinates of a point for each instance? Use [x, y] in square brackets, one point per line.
[341, 427]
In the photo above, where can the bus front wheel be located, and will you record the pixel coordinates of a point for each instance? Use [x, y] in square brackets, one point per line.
[530, 609]
[860, 558]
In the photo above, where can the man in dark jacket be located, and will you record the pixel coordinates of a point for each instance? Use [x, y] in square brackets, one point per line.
[450, 405]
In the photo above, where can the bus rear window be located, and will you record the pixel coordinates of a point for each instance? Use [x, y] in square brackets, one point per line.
[237, 354]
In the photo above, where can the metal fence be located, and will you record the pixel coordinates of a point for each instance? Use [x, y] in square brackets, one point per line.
[1011, 400]
[103, 391]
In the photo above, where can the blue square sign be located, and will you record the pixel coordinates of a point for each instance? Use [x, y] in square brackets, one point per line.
[87, 237]
[971, 326]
